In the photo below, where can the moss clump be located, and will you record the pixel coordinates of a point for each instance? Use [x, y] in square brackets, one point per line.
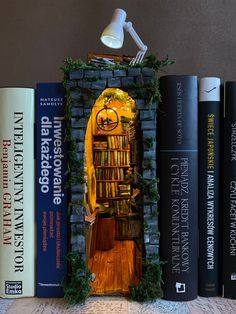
[77, 286]
[149, 287]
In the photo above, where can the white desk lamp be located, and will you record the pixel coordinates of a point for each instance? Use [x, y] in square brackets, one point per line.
[113, 35]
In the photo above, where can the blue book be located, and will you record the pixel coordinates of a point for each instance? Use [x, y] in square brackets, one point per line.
[51, 193]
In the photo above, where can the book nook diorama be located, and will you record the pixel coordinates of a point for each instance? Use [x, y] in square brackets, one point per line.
[111, 132]
[104, 137]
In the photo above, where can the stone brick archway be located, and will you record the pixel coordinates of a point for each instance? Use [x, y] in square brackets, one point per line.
[85, 86]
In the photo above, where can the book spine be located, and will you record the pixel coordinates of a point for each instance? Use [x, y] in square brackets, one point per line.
[17, 228]
[51, 193]
[178, 173]
[229, 195]
[209, 180]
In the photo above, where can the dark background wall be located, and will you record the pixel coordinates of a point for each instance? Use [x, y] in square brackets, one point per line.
[36, 36]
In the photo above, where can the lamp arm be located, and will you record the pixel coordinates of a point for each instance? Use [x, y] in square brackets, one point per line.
[142, 48]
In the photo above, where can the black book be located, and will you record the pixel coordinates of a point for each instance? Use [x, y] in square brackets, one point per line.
[209, 182]
[178, 173]
[229, 192]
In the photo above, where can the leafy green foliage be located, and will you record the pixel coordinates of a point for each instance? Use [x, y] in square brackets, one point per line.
[149, 187]
[77, 287]
[75, 167]
[148, 142]
[74, 64]
[153, 94]
[148, 163]
[151, 61]
[149, 287]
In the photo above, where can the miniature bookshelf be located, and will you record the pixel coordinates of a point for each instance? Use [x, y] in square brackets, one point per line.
[113, 169]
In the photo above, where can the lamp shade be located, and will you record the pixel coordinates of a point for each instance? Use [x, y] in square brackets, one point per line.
[113, 34]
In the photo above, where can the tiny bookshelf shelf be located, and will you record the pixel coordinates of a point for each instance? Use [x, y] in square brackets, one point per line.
[112, 162]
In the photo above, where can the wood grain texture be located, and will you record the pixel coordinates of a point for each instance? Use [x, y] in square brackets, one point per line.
[114, 269]
[105, 233]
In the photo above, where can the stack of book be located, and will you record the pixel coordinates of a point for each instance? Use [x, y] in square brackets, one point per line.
[192, 132]
[124, 190]
[100, 145]
[194, 184]
[23, 189]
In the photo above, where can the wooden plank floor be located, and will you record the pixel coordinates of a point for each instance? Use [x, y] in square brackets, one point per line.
[114, 269]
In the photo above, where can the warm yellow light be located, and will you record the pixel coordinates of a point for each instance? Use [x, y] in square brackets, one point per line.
[116, 100]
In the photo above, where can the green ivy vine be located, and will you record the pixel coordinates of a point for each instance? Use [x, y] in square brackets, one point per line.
[77, 286]
[149, 287]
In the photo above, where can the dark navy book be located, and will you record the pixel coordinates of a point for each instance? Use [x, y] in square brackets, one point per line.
[229, 192]
[178, 174]
[51, 193]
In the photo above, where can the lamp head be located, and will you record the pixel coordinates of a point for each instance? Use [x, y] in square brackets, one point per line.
[113, 34]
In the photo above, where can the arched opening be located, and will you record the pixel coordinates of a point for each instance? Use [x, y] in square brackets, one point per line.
[112, 196]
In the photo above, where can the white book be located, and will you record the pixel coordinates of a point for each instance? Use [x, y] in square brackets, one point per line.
[17, 228]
